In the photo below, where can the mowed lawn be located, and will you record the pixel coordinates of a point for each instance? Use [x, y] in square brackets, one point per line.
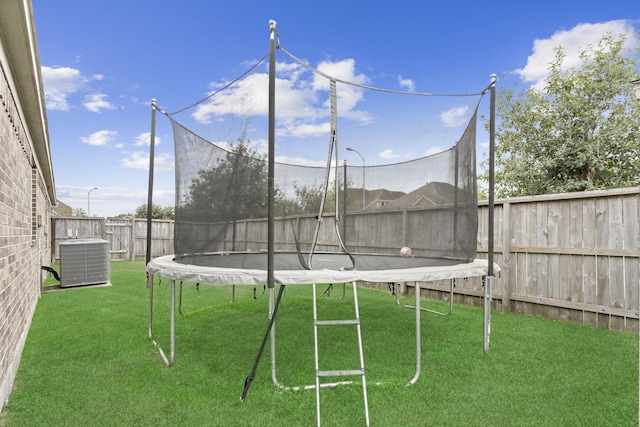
[88, 361]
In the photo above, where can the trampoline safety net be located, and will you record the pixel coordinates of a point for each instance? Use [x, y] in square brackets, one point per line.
[417, 189]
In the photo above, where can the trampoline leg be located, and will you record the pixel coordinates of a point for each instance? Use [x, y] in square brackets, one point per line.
[453, 283]
[418, 334]
[150, 286]
[155, 344]
[173, 322]
[273, 339]
[172, 329]
[272, 335]
[487, 313]
[180, 300]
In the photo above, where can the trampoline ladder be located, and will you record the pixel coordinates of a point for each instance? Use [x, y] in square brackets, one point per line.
[338, 373]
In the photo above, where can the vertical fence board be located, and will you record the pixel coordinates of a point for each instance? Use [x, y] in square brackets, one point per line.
[542, 241]
[589, 263]
[616, 264]
[554, 290]
[632, 280]
[531, 265]
[520, 237]
[507, 277]
[631, 222]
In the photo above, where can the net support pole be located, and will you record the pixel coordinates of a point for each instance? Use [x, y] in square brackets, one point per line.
[489, 279]
[150, 190]
[273, 307]
[344, 205]
[271, 168]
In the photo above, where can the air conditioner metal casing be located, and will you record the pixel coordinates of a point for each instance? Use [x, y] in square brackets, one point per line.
[84, 262]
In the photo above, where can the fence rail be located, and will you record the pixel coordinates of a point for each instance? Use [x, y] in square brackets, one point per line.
[572, 257]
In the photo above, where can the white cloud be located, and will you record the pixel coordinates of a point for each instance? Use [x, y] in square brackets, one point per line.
[572, 41]
[433, 150]
[96, 102]
[455, 116]
[143, 139]
[408, 84]
[304, 129]
[302, 162]
[303, 98]
[140, 160]
[248, 96]
[59, 84]
[111, 201]
[388, 154]
[100, 138]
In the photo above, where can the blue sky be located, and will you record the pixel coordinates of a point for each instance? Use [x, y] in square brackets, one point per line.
[103, 61]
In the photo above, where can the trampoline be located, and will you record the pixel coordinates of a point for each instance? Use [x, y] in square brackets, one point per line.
[250, 269]
[233, 269]
[298, 214]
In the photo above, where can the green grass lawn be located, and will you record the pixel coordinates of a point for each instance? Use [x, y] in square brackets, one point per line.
[88, 361]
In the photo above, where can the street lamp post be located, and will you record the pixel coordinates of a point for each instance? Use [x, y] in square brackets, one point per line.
[89, 201]
[363, 176]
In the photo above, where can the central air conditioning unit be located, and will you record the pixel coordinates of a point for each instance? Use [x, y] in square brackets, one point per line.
[84, 262]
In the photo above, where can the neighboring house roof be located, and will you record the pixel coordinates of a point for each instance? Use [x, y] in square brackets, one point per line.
[381, 198]
[62, 209]
[431, 194]
[22, 69]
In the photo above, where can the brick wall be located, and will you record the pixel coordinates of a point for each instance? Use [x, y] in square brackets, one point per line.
[25, 212]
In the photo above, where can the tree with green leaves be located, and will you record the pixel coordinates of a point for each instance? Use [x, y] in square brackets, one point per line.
[157, 212]
[580, 131]
[235, 188]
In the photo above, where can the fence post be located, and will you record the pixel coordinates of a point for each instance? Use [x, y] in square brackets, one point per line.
[103, 228]
[404, 227]
[132, 245]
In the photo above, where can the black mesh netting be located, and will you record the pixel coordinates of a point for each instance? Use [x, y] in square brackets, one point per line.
[428, 204]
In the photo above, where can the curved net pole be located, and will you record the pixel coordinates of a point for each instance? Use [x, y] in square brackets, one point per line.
[334, 135]
[333, 138]
[325, 185]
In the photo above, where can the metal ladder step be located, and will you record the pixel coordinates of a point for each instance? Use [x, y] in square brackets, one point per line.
[340, 373]
[338, 322]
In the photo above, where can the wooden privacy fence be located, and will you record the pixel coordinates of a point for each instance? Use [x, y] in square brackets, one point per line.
[127, 236]
[572, 256]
